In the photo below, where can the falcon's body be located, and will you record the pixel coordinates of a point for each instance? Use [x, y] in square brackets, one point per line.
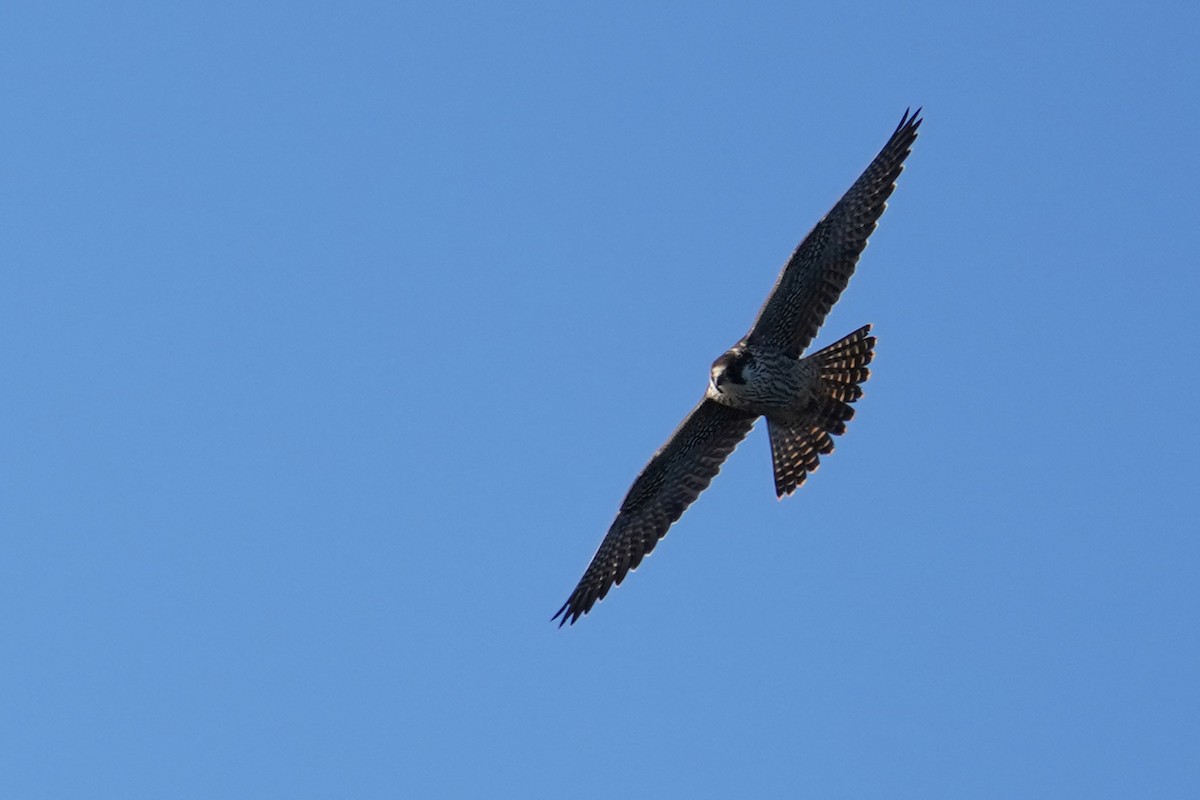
[805, 400]
[763, 381]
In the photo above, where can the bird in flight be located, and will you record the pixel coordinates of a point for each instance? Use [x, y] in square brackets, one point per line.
[805, 400]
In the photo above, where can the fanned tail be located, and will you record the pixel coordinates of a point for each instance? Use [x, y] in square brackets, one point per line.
[796, 449]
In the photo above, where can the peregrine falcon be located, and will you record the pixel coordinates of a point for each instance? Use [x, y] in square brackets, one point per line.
[805, 400]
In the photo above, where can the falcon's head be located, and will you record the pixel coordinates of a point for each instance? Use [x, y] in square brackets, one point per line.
[731, 368]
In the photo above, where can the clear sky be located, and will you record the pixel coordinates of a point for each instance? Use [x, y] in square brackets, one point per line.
[332, 335]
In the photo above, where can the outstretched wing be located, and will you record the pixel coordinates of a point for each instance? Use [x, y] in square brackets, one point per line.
[674, 478]
[819, 269]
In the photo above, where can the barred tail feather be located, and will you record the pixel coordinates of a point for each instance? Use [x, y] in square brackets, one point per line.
[796, 448]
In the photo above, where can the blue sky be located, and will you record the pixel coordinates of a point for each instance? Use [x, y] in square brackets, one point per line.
[333, 335]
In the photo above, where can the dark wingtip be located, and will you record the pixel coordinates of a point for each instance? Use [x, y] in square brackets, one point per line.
[911, 120]
[575, 607]
[565, 617]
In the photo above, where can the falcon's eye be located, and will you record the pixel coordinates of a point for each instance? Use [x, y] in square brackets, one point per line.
[734, 373]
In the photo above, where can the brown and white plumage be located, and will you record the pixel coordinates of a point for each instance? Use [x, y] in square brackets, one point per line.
[676, 475]
[806, 400]
[797, 444]
[821, 266]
